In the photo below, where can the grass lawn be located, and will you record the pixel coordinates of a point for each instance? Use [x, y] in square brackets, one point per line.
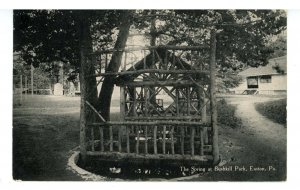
[274, 110]
[46, 128]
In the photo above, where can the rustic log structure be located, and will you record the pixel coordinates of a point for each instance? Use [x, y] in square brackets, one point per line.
[167, 109]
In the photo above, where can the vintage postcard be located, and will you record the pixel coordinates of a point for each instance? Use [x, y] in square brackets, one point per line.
[150, 95]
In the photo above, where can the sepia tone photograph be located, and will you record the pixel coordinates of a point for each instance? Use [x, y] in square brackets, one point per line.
[149, 95]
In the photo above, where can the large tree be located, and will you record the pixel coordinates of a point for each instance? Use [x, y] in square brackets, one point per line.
[70, 36]
[45, 36]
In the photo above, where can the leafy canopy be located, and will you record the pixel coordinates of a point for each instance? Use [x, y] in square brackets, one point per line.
[242, 35]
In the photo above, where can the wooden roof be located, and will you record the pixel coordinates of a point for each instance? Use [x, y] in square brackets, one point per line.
[149, 60]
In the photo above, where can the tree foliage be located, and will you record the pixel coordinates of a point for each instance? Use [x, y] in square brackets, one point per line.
[242, 34]
[44, 36]
[53, 35]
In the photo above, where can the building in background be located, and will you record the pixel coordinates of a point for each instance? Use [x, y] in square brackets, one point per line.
[269, 79]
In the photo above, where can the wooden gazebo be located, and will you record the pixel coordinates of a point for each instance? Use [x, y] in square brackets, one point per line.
[167, 111]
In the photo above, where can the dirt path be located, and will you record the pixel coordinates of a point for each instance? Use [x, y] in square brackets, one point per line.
[262, 127]
[259, 143]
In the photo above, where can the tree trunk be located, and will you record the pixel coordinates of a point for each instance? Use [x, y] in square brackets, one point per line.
[87, 84]
[105, 95]
[213, 104]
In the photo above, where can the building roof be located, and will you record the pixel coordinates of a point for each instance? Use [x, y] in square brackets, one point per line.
[274, 67]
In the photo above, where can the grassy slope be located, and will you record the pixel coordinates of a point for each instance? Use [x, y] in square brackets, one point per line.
[274, 110]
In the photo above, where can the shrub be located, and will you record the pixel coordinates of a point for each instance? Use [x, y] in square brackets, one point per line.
[226, 114]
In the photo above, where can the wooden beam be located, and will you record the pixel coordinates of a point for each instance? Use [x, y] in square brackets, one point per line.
[149, 123]
[165, 47]
[213, 104]
[157, 83]
[94, 109]
[117, 155]
[188, 117]
[160, 71]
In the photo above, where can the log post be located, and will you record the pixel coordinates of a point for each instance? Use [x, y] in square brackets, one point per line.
[83, 110]
[146, 139]
[122, 114]
[164, 140]
[87, 85]
[204, 117]
[92, 139]
[172, 140]
[182, 140]
[203, 111]
[155, 139]
[192, 139]
[213, 104]
[127, 139]
[188, 91]
[101, 139]
[201, 142]
[111, 139]
[137, 144]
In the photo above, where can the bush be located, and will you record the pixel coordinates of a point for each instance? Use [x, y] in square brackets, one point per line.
[226, 114]
[274, 110]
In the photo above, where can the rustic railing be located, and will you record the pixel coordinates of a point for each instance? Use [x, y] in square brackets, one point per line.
[151, 138]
